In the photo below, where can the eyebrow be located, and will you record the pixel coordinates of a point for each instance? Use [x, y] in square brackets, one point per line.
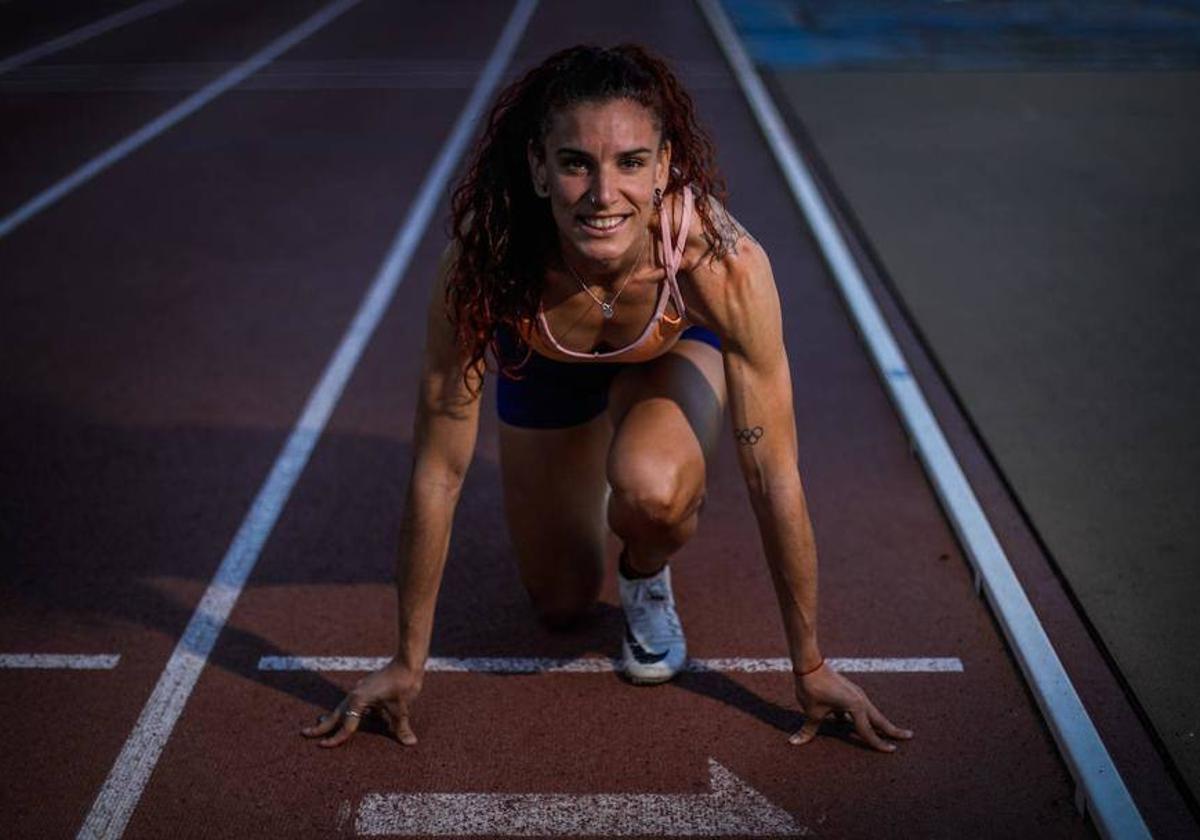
[567, 150]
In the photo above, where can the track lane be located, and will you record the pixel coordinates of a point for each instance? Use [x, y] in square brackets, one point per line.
[25, 24]
[893, 584]
[150, 371]
[49, 136]
[170, 118]
[78, 35]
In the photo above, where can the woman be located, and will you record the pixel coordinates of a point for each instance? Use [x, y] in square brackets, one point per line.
[625, 309]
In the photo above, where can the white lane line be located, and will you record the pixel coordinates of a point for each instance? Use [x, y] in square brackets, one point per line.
[67, 661]
[730, 808]
[84, 33]
[122, 789]
[1112, 807]
[599, 665]
[172, 116]
[295, 74]
[281, 74]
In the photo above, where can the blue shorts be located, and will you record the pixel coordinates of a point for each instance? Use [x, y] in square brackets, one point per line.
[553, 395]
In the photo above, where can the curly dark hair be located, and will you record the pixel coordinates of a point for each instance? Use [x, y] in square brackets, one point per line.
[503, 233]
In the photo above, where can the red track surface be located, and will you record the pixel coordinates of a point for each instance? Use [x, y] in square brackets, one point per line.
[163, 326]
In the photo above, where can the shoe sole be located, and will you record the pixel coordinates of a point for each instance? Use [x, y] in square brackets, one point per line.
[643, 681]
[639, 679]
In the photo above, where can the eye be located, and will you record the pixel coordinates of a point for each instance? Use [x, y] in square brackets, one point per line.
[632, 163]
[575, 164]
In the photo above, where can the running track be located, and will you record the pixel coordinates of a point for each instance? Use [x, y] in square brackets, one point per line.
[164, 324]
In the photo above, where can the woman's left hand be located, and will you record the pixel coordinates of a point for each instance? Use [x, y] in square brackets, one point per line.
[824, 692]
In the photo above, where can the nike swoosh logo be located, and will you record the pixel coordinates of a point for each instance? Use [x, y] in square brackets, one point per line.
[646, 657]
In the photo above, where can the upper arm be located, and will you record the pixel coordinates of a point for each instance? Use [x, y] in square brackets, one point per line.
[447, 416]
[743, 306]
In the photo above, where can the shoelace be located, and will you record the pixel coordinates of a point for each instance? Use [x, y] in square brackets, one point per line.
[656, 594]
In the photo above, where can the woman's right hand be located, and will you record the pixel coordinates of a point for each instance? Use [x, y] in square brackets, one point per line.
[388, 691]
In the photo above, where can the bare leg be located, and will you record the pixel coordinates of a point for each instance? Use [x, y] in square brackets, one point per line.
[667, 414]
[554, 496]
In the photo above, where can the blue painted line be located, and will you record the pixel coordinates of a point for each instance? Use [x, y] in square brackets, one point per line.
[929, 35]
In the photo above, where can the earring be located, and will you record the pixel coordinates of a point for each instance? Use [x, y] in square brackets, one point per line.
[657, 197]
[540, 190]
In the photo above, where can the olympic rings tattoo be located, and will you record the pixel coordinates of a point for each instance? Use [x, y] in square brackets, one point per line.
[749, 436]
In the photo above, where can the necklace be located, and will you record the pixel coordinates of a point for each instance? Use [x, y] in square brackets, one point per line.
[606, 307]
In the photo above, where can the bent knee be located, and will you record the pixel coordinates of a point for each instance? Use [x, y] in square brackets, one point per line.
[657, 494]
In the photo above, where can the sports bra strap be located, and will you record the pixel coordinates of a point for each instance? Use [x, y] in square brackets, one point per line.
[673, 254]
[672, 258]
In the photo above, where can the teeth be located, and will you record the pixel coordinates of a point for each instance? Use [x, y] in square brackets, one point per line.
[602, 222]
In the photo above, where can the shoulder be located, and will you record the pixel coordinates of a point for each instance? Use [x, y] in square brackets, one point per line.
[723, 246]
[729, 271]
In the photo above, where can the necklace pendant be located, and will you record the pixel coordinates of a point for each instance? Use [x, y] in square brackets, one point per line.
[606, 310]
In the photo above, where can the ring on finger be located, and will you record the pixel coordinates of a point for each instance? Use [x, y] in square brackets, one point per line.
[354, 713]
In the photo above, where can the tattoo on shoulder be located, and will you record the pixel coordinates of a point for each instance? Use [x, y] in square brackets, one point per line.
[729, 233]
[735, 233]
[749, 436]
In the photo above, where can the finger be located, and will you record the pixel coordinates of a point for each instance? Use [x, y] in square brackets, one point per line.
[404, 733]
[808, 731]
[350, 723]
[884, 725]
[325, 723]
[862, 725]
[396, 716]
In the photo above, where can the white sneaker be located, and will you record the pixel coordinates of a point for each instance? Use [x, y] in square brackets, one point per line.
[653, 649]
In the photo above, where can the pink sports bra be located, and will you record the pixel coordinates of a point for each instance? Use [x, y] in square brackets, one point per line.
[661, 325]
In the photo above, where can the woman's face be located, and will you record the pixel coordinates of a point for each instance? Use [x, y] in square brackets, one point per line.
[600, 166]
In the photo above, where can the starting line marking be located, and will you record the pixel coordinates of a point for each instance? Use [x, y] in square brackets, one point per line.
[730, 808]
[67, 661]
[601, 665]
[122, 789]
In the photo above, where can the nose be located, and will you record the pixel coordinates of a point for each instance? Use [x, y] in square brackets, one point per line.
[602, 192]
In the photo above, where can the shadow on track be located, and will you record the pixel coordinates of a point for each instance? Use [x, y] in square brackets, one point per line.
[113, 525]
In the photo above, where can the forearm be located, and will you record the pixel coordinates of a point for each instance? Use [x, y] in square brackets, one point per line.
[421, 559]
[787, 539]
[444, 432]
[759, 387]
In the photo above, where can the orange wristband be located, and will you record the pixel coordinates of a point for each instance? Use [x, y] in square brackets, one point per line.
[811, 670]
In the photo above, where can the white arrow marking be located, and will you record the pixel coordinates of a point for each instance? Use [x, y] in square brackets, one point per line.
[731, 808]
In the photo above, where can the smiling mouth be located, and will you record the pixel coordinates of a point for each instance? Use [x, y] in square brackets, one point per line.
[601, 223]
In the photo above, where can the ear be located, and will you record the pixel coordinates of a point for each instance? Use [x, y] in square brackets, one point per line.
[537, 170]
